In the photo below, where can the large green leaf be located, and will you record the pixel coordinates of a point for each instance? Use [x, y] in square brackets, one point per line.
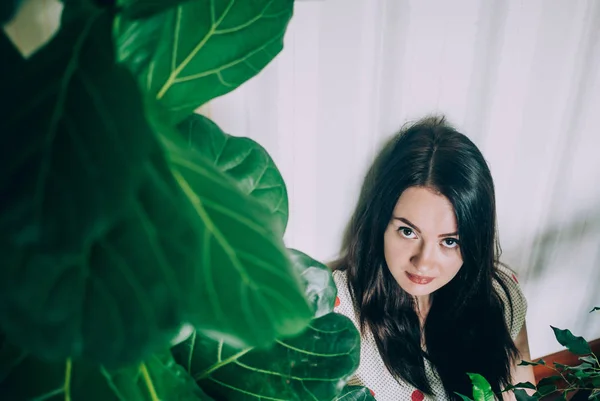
[575, 344]
[242, 159]
[145, 8]
[319, 287]
[245, 289]
[12, 60]
[312, 366]
[355, 393]
[87, 200]
[201, 49]
[482, 391]
[25, 377]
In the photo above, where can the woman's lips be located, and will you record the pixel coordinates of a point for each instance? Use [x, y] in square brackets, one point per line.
[419, 279]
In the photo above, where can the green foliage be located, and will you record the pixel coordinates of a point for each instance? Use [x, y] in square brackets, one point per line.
[78, 153]
[125, 218]
[576, 345]
[242, 159]
[24, 376]
[482, 391]
[356, 393]
[313, 365]
[201, 49]
[568, 379]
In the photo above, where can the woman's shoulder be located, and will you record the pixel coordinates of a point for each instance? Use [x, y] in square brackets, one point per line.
[509, 290]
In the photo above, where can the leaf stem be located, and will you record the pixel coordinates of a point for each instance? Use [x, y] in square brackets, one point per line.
[561, 375]
[67, 388]
[148, 381]
[216, 366]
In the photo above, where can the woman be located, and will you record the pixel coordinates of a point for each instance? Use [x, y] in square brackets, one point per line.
[419, 273]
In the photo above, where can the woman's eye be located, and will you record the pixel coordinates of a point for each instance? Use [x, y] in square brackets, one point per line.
[407, 232]
[450, 243]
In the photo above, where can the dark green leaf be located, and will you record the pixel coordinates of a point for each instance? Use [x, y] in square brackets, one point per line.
[145, 8]
[589, 359]
[320, 289]
[596, 382]
[12, 60]
[595, 309]
[583, 374]
[312, 366]
[8, 10]
[201, 49]
[521, 395]
[576, 345]
[545, 390]
[582, 366]
[482, 391]
[81, 178]
[548, 380]
[242, 159]
[355, 393]
[524, 385]
[595, 395]
[25, 377]
[527, 363]
[245, 289]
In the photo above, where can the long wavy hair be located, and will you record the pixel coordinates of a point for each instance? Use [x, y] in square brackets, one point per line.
[465, 330]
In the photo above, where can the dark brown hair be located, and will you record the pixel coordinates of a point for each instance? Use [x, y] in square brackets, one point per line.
[465, 330]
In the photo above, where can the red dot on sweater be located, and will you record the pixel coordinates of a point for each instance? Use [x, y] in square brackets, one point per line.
[337, 302]
[372, 392]
[515, 278]
[417, 396]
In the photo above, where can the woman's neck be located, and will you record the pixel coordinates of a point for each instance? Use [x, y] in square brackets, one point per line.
[422, 304]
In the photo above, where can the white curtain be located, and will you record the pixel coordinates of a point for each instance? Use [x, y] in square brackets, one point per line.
[521, 78]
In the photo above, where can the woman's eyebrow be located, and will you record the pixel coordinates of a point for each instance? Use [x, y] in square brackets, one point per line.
[402, 219]
[417, 229]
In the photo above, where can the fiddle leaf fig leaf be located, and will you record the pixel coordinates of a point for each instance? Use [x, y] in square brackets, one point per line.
[482, 391]
[355, 393]
[245, 289]
[575, 344]
[85, 193]
[201, 49]
[242, 159]
[314, 365]
[25, 377]
[145, 8]
[319, 287]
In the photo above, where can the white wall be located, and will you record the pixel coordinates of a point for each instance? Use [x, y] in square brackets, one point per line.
[521, 78]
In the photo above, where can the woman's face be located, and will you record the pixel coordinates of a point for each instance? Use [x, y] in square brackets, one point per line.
[421, 243]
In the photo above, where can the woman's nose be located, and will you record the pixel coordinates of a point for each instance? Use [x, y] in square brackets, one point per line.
[424, 257]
